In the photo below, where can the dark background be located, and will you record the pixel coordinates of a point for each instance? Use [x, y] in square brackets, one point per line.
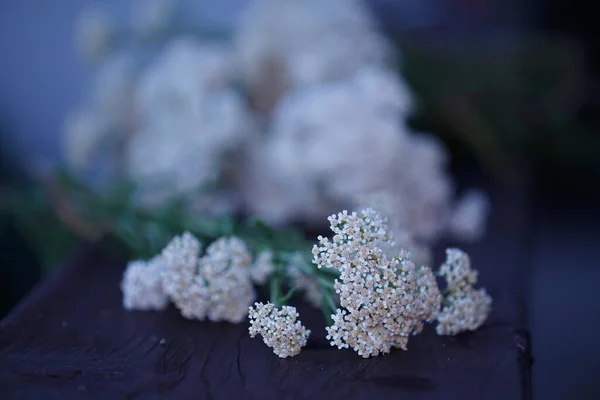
[39, 80]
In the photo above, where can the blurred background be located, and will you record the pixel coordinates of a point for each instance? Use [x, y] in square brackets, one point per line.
[287, 110]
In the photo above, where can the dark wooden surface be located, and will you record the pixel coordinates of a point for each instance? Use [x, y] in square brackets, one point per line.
[70, 338]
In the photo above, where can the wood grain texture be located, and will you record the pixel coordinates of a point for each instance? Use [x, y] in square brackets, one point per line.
[71, 339]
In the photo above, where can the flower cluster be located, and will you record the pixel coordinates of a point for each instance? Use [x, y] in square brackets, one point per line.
[355, 117]
[381, 302]
[428, 298]
[142, 286]
[180, 258]
[465, 308]
[263, 267]
[189, 118]
[306, 43]
[279, 328]
[217, 286]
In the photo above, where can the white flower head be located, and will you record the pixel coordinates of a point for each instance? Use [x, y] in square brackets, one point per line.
[216, 286]
[469, 216]
[112, 91]
[380, 300]
[332, 143]
[263, 267]
[180, 260]
[418, 190]
[457, 270]
[428, 300]
[280, 328]
[311, 41]
[466, 310]
[182, 75]
[225, 272]
[190, 122]
[142, 286]
[93, 33]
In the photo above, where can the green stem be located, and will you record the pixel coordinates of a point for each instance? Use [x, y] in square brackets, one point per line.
[328, 306]
[274, 286]
[287, 296]
[330, 302]
[329, 272]
[326, 314]
[324, 282]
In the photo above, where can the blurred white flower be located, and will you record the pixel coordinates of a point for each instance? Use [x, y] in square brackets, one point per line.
[343, 141]
[83, 133]
[469, 216]
[386, 91]
[182, 75]
[329, 143]
[311, 42]
[186, 151]
[334, 57]
[94, 32]
[152, 17]
[189, 120]
[278, 196]
[418, 192]
[112, 91]
[263, 267]
[142, 286]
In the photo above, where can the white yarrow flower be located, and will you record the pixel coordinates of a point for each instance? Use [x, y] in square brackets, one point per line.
[429, 298]
[180, 260]
[465, 311]
[379, 298]
[457, 270]
[142, 286]
[217, 286]
[190, 122]
[465, 308]
[263, 267]
[279, 328]
[311, 42]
